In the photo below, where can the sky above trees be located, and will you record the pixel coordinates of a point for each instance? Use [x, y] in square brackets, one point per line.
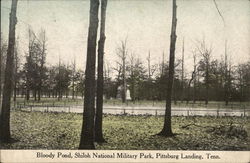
[145, 23]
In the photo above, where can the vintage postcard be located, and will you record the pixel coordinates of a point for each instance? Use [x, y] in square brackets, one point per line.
[125, 81]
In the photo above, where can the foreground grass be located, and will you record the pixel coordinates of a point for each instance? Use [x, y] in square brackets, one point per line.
[37, 130]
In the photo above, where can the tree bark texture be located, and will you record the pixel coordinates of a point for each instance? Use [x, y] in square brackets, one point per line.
[124, 89]
[87, 134]
[1, 66]
[8, 82]
[167, 130]
[100, 83]
[182, 72]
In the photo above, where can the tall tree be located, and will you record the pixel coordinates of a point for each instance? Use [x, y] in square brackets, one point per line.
[34, 68]
[2, 62]
[1, 55]
[195, 74]
[189, 84]
[28, 66]
[122, 53]
[243, 77]
[182, 72]
[132, 78]
[118, 78]
[100, 81]
[163, 64]
[87, 134]
[73, 78]
[16, 67]
[7, 89]
[59, 79]
[80, 80]
[205, 62]
[136, 77]
[167, 129]
[63, 78]
[226, 76]
[149, 65]
[42, 60]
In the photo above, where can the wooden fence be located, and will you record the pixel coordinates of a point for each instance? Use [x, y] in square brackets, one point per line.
[125, 110]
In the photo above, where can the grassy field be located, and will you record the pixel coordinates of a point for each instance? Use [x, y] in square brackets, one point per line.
[37, 130]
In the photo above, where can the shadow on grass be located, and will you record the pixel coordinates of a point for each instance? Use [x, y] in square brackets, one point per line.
[10, 141]
[7, 144]
[173, 135]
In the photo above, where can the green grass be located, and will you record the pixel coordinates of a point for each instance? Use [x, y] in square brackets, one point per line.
[37, 130]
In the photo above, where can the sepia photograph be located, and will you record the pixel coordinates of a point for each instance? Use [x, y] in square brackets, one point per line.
[125, 80]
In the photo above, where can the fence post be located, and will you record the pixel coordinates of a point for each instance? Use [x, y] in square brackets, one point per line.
[124, 111]
[156, 112]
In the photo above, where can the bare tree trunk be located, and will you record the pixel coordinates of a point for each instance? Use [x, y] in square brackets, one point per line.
[42, 64]
[1, 56]
[99, 99]
[198, 84]
[124, 90]
[226, 76]
[87, 134]
[163, 64]
[229, 81]
[207, 82]
[1, 66]
[15, 77]
[194, 90]
[189, 84]
[15, 71]
[60, 79]
[182, 72]
[122, 53]
[167, 130]
[149, 66]
[5, 111]
[132, 79]
[28, 82]
[174, 93]
[73, 81]
[27, 94]
[35, 94]
[194, 93]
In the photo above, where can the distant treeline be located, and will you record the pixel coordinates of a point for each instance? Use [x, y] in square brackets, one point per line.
[210, 80]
